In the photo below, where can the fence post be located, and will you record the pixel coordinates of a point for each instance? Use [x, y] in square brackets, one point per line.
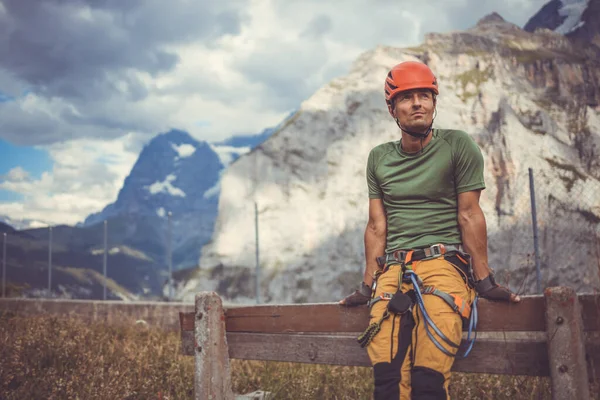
[536, 246]
[566, 345]
[4, 266]
[170, 254]
[105, 258]
[212, 378]
[49, 261]
[257, 283]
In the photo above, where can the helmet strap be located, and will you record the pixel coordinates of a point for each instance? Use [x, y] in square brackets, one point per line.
[418, 135]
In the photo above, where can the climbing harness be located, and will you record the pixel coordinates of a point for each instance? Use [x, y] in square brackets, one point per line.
[400, 303]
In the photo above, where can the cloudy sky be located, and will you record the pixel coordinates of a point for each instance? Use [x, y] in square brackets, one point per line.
[84, 84]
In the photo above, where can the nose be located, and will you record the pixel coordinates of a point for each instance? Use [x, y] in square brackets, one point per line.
[416, 101]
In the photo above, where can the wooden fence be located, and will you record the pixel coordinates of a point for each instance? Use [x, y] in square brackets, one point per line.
[556, 335]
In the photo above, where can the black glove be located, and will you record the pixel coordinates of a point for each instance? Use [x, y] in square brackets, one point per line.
[359, 297]
[489, 289]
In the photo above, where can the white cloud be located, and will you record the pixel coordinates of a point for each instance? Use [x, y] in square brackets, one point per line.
[86, 176]
[227, 153]
[213, 69]
[242, 69]
[17, 174]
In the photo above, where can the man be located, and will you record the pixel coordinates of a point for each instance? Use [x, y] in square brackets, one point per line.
[425, 244]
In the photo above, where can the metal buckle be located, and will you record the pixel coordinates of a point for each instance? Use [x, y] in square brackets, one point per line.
[386, 296]
[437, 250]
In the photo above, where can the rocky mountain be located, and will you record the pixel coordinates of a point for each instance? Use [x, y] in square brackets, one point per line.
[174, 173]
[530, 100]
[579, 20]
[76, 273]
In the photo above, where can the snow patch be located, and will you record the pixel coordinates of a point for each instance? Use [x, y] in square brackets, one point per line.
[228, 153]
[213, 191]
[184, 150]
[573, 10]
[166, 186]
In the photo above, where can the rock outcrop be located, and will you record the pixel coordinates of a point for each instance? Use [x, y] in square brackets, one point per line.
[530, 100]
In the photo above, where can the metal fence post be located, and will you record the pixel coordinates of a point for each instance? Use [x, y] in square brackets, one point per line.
[535, 233]
[4, 266]
[257, 254]
[105, 260]
[170, 256]
[49, 261]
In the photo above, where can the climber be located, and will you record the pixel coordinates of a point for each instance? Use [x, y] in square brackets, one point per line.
[425, 244]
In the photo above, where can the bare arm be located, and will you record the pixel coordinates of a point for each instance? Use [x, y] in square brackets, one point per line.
[473, 229]
[375, 238]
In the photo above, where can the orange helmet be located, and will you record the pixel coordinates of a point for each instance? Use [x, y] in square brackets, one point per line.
[406, 76]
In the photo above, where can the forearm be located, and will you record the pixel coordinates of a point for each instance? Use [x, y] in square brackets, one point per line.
[374, 247]
[473, 230]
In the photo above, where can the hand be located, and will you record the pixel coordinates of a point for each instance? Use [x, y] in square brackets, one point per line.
[358, 298]
[489, 289]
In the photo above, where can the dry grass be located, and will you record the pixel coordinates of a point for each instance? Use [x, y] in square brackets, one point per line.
[50, 357]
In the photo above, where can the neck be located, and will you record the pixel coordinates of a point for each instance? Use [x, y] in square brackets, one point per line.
[411, 144]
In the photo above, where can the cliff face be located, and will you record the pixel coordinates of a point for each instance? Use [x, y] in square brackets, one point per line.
[530, 100]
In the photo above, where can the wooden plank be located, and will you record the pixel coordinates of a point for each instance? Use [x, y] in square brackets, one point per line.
[493, 317]
[566, 345]
[592, 349]
[500, 354]
[489, 356]
[187, 333]
[331, 317]
[590, 311]
[212, 378]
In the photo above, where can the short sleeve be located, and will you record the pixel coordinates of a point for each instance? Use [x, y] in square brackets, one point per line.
[372, 182]
[468, 164]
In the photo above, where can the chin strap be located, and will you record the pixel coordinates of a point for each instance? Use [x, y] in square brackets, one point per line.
[418, 135]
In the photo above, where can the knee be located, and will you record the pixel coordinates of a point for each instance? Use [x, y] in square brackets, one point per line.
[387, 380]
[427, 384]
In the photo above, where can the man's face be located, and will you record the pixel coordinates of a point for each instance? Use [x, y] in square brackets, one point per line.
[414, 109]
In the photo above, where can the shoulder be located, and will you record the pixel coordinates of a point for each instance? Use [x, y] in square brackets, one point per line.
[459, 141]
[454, 136]
[382, 150]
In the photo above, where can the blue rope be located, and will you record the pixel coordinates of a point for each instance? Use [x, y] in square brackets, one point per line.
[472, 327]
[429, 322]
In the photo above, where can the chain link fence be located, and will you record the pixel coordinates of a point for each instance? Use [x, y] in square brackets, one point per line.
[564, 205]
[563, 250]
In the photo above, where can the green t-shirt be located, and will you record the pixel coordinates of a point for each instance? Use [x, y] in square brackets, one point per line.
[420, 190]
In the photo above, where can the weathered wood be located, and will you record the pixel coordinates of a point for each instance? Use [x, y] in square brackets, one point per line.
[592, 349]
[527, 316]
[490, 356]
[566, 346]
[590, 311]
[212, 378]
[187, 333]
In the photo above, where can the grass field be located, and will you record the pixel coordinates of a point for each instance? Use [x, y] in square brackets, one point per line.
[49, 357]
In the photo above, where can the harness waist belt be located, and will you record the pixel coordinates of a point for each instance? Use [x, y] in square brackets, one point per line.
[417, 254]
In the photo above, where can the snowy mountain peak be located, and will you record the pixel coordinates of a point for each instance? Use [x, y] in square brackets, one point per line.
[561, 16]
